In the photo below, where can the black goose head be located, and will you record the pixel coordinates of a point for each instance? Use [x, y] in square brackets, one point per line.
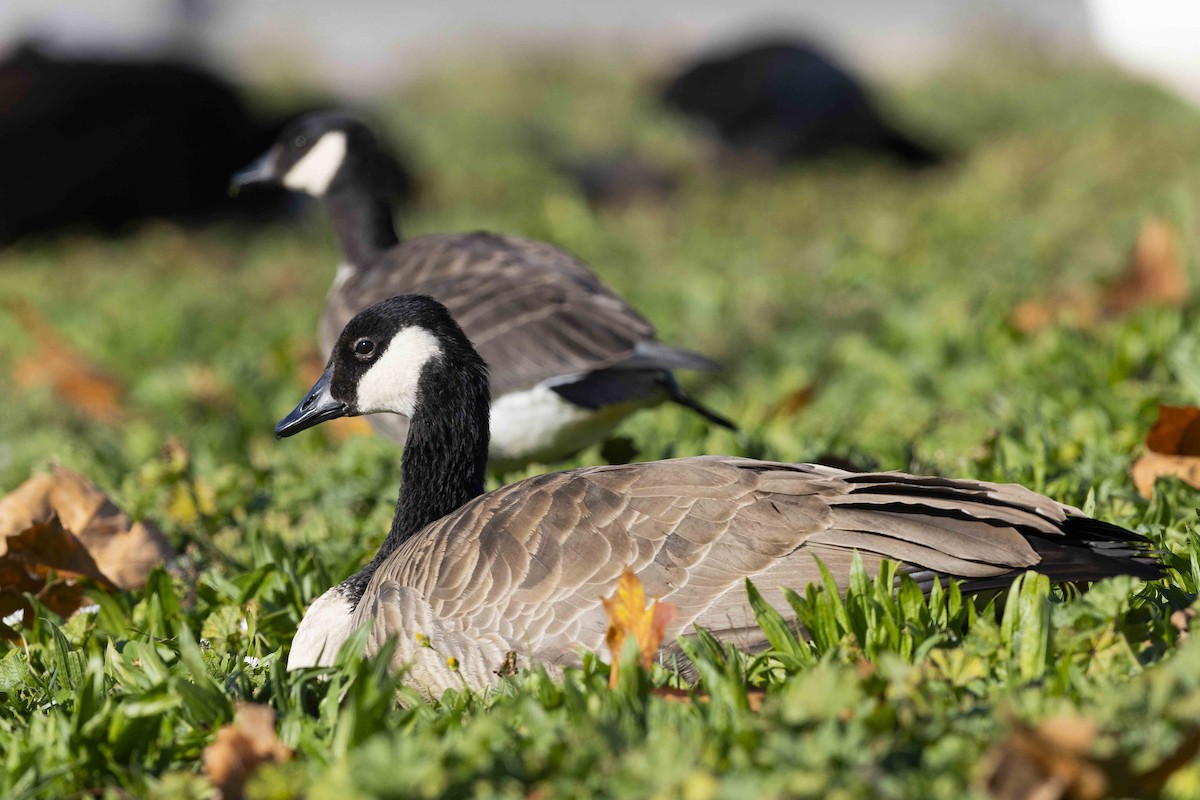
[404, 355]
[318, 152]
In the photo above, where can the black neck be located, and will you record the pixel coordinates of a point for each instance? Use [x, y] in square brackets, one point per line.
[362, 219]
[444, 463]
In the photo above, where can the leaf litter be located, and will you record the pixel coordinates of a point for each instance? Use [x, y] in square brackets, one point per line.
[1172, 449]
[60, 366]
[1154, 276]
[241, 747]
[58, 529]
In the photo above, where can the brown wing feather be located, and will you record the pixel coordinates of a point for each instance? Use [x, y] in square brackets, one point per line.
[534, 311]
[532, 559]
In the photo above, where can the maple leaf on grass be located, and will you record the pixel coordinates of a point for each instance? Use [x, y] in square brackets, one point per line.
[241, 747]
[1172, 449]
[1154, 275]
[1054, 761]
[57, 364]
[630, 617]
[57, 529]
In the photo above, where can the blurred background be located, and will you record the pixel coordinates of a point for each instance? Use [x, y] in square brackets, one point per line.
[898, 224]
[358, 47]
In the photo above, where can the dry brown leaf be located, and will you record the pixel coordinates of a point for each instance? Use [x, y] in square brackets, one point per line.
[61, 522]
[1053, 761]
[1079, 309]
[1172, 449]
[311, 366]
[1181, 620]
[792, 403]
[1176, 432]
[57, 364]
[754, 697]
[205, 386]
[629, 616]
[1155, 275]
[241, 747]
[1048, 762]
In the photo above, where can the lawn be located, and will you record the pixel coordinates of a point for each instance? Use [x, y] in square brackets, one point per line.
[862, 311]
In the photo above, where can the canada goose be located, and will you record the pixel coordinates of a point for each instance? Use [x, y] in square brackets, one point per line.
[521, 570]
[569, 358]
[104, 143]
[785, 100]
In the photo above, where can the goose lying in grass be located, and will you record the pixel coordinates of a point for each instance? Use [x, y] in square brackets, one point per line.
[522, 569]
[570, 359]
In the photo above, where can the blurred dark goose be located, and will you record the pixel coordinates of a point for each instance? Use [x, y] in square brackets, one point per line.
[569, 358]
[605, 179]
[786, 101]
[103, 143]
[522, 569]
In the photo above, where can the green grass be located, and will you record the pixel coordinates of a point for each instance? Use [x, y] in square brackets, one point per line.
[888, 292]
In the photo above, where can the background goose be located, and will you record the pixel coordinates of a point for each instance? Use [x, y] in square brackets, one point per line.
[569, 358]
[522, 569]
[103, 143]
[785, 100]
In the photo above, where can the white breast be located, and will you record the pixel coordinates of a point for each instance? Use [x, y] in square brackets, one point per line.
[326, 625]
[539, 425]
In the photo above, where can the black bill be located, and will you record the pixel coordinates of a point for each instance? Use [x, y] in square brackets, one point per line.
[261, 170]
[316, 407]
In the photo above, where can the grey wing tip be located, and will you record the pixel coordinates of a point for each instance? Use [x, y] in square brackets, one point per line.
[650, 353]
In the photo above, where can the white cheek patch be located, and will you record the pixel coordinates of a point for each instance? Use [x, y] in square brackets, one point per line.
[314, 172]
[391, 382]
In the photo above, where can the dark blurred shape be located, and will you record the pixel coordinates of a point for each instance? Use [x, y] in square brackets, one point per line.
[787, 101]
[612, 179]
[102, 143]
[618, 179]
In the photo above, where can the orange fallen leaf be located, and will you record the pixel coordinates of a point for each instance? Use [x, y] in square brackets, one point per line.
[1078, 309]
[628, 615]
[754, 697]
[205, 386]
[57, 364]
[1181, 621]
[61, 522]
[1172, 449]
[1155, 275]
[1053, 760]
[792, 403]
[241, 747]
[1049, 761]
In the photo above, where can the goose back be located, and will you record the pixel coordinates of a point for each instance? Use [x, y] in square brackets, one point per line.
[522, 569]
[532, 310]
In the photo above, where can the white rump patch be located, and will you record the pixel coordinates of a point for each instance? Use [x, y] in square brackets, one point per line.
[391, 382]
[314, 172]
[326, 625]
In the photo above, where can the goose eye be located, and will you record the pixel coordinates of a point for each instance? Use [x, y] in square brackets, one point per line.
[364, 348]
[300, 141]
